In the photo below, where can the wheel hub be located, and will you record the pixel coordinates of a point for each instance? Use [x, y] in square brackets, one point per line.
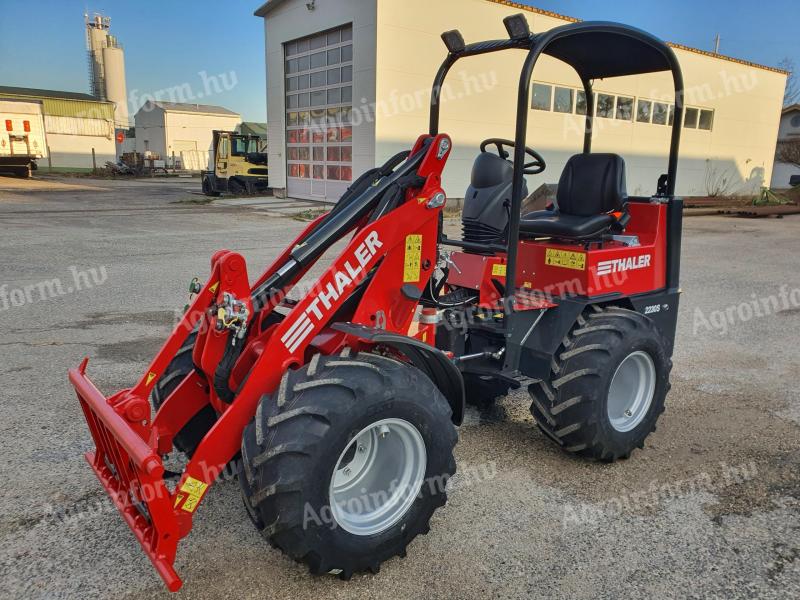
[631, 391]
[377, 477]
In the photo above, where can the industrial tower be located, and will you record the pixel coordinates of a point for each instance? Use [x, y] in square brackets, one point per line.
[107, 67]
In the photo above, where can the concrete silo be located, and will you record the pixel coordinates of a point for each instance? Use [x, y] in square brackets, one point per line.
[107, 67]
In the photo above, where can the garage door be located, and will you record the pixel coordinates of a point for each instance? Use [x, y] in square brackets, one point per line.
[319, 101]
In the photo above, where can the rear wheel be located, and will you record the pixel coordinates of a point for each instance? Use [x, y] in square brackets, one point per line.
[607, 386]
[346, 463]
[187, 439]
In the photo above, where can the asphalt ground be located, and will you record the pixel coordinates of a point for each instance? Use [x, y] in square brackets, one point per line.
[709, 508]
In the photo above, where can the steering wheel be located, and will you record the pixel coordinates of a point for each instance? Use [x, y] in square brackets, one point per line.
[534, 167]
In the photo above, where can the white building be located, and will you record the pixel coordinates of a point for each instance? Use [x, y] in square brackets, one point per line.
[368, 66]
[789, 131]
[79, 128]
[182, 131]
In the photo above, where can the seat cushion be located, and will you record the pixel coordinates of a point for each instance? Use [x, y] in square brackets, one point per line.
[545, 223]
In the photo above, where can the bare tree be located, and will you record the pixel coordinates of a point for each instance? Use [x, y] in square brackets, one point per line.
[789, 152]
[792, 93]
[718, 182]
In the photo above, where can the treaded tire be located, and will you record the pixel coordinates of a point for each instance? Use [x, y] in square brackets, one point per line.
[236, 187]
[187, 439]
[290, 451]
[207, 189]
[571, 407]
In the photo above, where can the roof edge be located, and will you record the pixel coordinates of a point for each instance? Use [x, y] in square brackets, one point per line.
[540, 11]
[262, 10]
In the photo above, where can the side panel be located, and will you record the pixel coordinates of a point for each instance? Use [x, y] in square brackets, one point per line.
[564, 269]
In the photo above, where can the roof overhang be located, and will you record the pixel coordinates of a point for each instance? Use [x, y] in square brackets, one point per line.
[269, 5]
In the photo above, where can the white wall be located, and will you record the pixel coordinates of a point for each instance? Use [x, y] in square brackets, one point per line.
[746, 101]
[786, 132]
[150, 129]
[181, 129]
[292, 20]
[75, 151]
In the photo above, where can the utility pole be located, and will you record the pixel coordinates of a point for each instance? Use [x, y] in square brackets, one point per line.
[716, 44]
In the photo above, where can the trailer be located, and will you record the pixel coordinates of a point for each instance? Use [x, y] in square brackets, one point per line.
[22, 137]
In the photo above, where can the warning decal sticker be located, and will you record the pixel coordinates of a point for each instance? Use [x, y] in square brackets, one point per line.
[194, 490]
[565, 258]
[411, 266]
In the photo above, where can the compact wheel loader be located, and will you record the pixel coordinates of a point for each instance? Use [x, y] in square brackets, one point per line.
[338, 404]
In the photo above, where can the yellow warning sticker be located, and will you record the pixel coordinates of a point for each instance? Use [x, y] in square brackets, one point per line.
[150, 377]
[194, 490]
[498, 270]
[412, 266]
[213, 288]
[566, 259]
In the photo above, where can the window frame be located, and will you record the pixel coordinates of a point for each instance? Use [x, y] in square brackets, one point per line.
[572, 94]
[549, 86]
[613, 107]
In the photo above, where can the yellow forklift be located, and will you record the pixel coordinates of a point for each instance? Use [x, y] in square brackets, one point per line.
[239, 164]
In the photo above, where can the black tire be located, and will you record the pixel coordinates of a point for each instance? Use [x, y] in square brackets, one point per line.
[571, 407]
[290, 451]
[208, 190]
[236, 187]
[187, 439]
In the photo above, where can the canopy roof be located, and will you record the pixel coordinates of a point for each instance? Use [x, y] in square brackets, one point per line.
[598, 49]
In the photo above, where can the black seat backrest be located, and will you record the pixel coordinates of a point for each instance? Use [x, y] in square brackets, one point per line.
[485, 212]
[592, 184]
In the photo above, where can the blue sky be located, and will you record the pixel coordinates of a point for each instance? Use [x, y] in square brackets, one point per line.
[169, 43]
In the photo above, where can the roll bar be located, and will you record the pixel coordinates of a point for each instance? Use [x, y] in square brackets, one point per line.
[594, 50]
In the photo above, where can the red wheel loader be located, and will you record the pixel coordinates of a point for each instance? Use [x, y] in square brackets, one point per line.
[339, 409]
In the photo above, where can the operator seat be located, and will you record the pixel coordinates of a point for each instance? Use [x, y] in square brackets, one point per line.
[485, 212]
[591, 200]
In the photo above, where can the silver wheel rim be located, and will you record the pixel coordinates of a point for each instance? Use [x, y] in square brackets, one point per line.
[631, 391]
[377, 477]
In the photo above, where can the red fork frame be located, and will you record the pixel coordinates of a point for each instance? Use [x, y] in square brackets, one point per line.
[129, 444]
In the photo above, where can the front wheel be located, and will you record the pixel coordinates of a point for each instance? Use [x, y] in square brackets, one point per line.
[607, 386]
[344, 465]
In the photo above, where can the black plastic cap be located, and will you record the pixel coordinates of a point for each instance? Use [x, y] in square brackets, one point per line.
[517, 27]
[454, 41]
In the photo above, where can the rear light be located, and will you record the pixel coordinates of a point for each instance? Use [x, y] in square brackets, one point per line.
[26, 125]
[9, 125]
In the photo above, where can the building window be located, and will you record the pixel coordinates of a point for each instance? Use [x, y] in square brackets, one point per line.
[580, 103]
[542, 94]
[562, 100]
[605, 106]
[660, 113]
[644, 109]
[624, 108]
[690, 118]
[706, 120]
